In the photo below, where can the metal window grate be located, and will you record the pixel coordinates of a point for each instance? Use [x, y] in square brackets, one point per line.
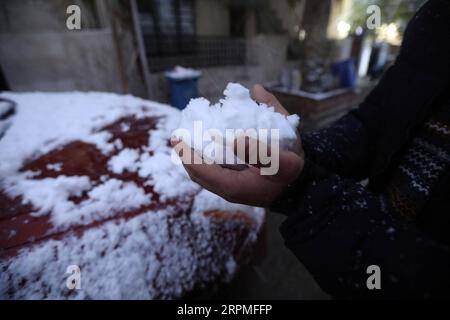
[168, 28]
[205, 51]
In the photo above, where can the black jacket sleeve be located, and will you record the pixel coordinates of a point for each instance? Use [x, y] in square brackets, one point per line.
[342, 148]
[337, 227]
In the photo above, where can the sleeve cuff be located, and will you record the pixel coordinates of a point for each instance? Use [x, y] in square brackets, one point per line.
[289, 199]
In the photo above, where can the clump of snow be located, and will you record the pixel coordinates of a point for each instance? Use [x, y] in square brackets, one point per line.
[106, 199]
[100, 139]
[236, 111]
[54, 167]
[124, 127]
[118, 144]
[124, 161]
[168, 179]
[180, 72]
[51, 196]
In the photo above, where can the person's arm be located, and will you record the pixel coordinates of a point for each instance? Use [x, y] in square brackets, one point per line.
[341, 148]
[335, 226]
[340, 228]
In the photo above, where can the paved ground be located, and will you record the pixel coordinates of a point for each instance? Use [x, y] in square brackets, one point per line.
[278, 276]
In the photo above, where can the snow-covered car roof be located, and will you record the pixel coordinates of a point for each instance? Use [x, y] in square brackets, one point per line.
[86, 179]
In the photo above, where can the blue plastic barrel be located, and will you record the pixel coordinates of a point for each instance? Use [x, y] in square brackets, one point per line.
[346, 72]
[182, 90]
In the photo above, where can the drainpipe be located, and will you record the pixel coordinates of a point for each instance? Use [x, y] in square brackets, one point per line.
[141, 47]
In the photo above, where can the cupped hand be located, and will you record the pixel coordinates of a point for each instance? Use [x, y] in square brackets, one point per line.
[247, 186]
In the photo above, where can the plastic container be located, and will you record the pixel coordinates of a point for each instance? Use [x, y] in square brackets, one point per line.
[346, 72]
[183, 86]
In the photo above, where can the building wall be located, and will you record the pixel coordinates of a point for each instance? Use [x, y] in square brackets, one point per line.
[266, 57]
[46, 61]
[290, 13]
[38, 52]
[212, 18]
[266, 54]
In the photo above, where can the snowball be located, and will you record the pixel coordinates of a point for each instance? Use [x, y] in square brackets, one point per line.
[234, 115]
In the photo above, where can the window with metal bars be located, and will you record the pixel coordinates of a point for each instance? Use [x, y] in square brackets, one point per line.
[168, 29]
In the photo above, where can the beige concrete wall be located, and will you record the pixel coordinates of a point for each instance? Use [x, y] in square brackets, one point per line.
[50, 59]
[56, 61]
[37, 52]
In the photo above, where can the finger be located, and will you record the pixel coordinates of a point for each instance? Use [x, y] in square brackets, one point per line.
[261, 95]
[174, 141]
[186, 153]
[290, 167]
[214, 178]
[260, 155]
[223, 182]
[255, 189]
[251, 151]
[247, 186]
[210, 176]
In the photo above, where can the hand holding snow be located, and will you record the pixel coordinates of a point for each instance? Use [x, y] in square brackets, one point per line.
[211, 128]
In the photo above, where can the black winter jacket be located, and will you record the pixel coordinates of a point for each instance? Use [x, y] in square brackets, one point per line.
[336, 226]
